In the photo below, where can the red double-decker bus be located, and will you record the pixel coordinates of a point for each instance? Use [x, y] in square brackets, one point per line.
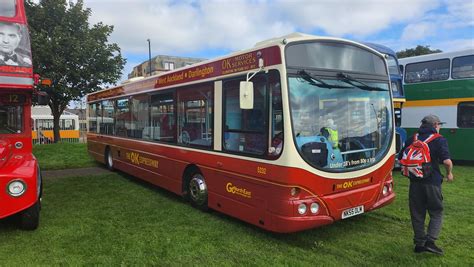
[20, 178]
[294, 133]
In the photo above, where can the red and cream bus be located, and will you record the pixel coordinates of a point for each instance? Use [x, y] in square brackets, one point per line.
[294, 133]
[20, 178]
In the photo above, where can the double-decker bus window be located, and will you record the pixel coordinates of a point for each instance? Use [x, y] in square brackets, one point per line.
[122, 117]
[163, 116]
[435, 70]
[92, 117]
[466, 115]
[463, 67]
[140, 117]
[7, 8]
[107, 126]
[245, 129]
[11, 119]
[195, 115]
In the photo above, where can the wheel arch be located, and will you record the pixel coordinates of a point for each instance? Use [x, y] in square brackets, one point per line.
[188, 171]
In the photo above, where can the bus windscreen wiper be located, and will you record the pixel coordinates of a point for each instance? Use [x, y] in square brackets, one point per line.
[354, 82]
[316, 81]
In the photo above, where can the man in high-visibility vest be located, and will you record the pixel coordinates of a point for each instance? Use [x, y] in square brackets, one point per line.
[331, 133]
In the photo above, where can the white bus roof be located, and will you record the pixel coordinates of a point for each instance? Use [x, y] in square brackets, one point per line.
[436, 56]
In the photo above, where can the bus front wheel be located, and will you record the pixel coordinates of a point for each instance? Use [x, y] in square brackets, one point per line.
[197, 191]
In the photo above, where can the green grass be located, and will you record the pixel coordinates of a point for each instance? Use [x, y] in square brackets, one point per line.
[63, 156]
[114, 220]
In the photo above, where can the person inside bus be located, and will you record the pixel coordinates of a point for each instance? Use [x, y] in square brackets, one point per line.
[10, 37]
[330, 132]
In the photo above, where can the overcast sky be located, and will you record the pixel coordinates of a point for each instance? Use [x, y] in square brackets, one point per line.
[208, 29]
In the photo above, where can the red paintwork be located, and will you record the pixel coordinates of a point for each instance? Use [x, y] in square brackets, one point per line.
[271, 206]
[18, 164]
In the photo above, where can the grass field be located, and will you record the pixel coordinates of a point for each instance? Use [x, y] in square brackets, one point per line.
[115, 220]
[63, 156]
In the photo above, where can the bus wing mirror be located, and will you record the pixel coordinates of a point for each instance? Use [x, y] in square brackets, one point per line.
[246, 88]
[43, 98]
[246, 95]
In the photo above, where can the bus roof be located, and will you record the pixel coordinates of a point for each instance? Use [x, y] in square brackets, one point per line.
[435, 56]
[381, 48]
[239, 61]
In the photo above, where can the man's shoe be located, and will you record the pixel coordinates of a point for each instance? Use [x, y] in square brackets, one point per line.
[419, 249]
[431, 247]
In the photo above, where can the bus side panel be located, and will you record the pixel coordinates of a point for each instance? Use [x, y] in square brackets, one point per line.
[96, 148]
[460, 141]
[237, 197]
[147, 162]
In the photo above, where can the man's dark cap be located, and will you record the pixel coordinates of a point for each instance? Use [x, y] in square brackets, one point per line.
[431, 120]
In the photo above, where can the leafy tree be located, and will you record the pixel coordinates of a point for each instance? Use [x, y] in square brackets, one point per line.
[417, 51]
[76, 56]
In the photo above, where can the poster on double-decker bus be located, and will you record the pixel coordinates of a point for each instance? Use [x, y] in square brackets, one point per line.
[15, 51]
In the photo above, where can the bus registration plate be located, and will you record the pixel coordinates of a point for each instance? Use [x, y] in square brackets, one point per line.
[352, 212]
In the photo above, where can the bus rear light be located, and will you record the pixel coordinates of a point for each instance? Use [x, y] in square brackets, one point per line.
[314, 208]
[294, 191]
[302, 209]
[16, 188]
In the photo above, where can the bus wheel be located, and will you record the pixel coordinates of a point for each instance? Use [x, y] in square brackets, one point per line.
[198, 191]
[109, 161]
[29, 218]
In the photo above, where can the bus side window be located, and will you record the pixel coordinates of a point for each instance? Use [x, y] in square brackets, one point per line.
[163, 114]
[466, 115]
[245, 130]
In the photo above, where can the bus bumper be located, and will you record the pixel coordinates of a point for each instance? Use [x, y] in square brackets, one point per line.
[22, 169]
[283, 224]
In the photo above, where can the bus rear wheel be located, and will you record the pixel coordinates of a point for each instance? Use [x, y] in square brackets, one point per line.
[29, 218]
[197, 191]
[109, 161]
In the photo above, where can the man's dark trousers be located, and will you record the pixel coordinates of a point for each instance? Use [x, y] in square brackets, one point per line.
[425, 197]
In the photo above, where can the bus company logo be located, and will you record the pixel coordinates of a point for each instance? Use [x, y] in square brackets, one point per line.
[238, 191]
[138, 160]
[351, 184]
[239, 63]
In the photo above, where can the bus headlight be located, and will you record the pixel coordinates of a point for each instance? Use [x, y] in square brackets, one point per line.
[385, 190]
[16, 188]
[314, 208]
[302, 208]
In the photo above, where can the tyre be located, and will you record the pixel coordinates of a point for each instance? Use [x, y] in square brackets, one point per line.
[197, 191]
[109, 161]
[29, 218]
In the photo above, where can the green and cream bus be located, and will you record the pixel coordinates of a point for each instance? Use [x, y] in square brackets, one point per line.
[442, 84]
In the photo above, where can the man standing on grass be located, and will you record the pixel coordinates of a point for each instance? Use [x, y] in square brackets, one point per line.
[425, 194]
